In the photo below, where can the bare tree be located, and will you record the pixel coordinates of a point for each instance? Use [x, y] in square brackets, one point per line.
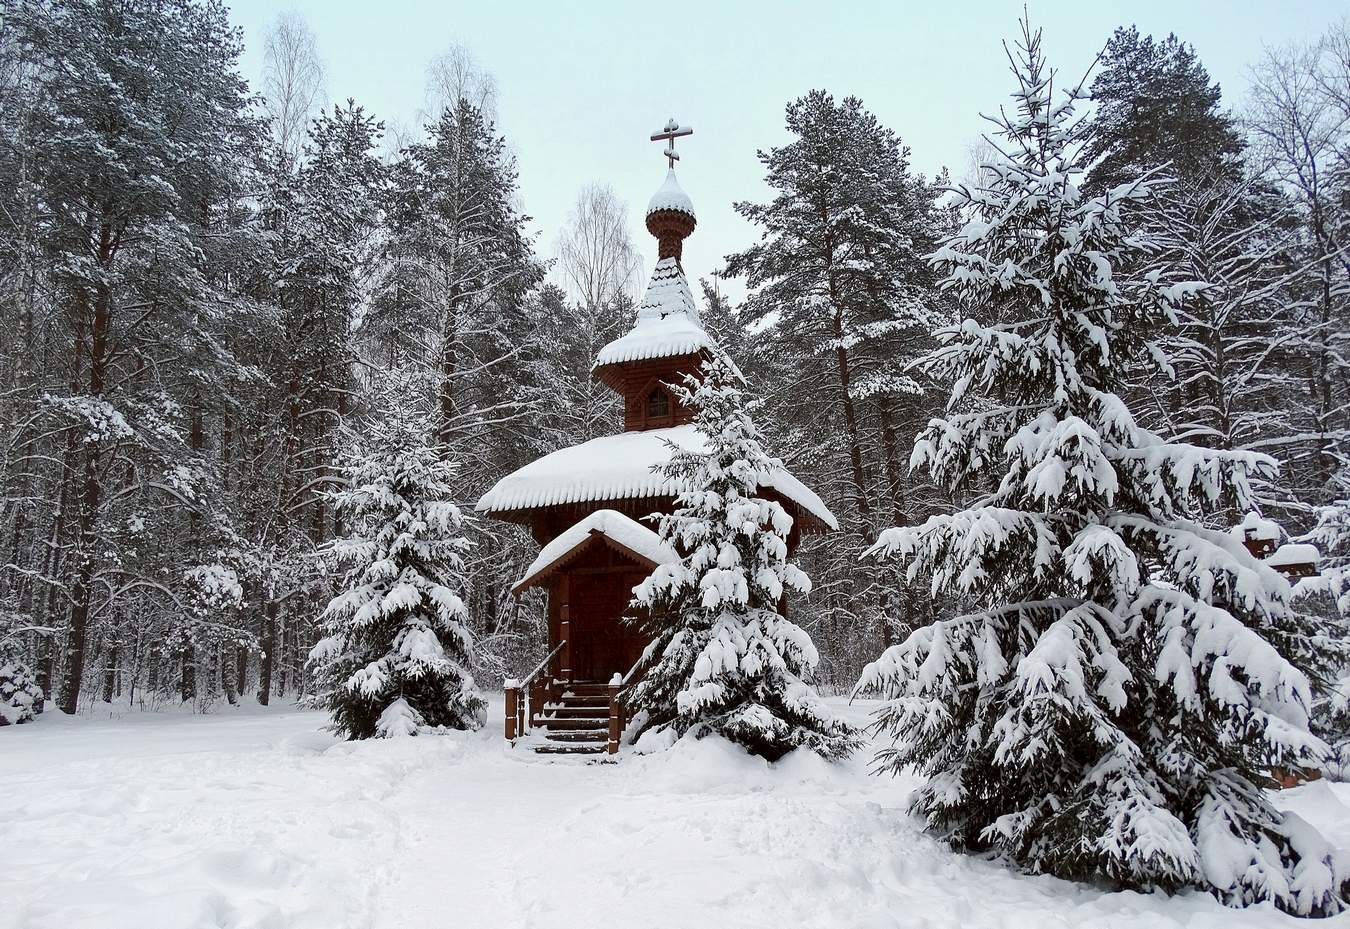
[293, 80]
[398, 135]
[979, 152]
[456, 75]
[1301, 128]
[596, 256]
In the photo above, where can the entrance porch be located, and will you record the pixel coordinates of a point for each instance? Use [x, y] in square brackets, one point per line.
[569, 702]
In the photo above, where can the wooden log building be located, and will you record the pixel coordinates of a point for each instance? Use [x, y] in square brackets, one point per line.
[584, 504]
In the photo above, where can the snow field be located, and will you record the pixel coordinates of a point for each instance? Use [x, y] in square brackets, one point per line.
[254, 819]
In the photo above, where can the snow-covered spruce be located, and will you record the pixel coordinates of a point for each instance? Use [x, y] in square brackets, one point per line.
[397, 652]
[722, 659]
[1331, 535]
[20, 696]
[1328, 596]
[1111, 705]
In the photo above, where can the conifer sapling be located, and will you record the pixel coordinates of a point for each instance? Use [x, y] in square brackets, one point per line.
[397, 651]
[722, 659]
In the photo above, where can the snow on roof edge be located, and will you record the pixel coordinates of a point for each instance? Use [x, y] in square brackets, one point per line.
[619, 467]
[612, 524]
[641, 346]
[1292, 553]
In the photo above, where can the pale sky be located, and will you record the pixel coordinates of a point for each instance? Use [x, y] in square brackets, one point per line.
[583, 84]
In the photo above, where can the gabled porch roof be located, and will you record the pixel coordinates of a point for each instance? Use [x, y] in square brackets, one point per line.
[603, 527]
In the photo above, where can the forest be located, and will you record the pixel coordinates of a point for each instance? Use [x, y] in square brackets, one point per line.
[214, 296]
[1081, 410]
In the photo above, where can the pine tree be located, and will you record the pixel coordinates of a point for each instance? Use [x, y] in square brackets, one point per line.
[722, 659]
[459, 265]
[843, 300]
[1156, 105]
[398, 651]
[323, 224]
[138, 137]
[1111, 704]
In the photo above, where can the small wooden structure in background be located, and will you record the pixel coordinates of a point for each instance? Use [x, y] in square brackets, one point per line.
[584, 505]
[1263, 538]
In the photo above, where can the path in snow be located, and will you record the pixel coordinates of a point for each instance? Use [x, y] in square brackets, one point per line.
[254, 819]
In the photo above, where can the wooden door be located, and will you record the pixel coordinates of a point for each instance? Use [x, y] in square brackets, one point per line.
[602, 644]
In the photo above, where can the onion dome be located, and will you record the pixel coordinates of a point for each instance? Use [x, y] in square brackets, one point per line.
[670, 218]
[671, 196]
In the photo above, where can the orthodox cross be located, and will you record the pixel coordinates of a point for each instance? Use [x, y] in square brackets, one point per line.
[669, 134]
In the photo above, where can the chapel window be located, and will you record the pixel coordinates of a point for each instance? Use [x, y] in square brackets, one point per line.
[658, 404]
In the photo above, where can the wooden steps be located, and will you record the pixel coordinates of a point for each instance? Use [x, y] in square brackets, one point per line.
[576, 724]
[560, 748]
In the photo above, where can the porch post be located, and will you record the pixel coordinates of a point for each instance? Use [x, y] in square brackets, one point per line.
[565, 657]
[615, 724]
[535, 699]
[512, 688]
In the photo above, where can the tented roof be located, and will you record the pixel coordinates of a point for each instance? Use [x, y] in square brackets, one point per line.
[667, 323]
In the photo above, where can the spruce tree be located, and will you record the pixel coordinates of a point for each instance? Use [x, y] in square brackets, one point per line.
[1110, 704]
[1156, 105]
[20, 696]
[722, 659]
[397, 651]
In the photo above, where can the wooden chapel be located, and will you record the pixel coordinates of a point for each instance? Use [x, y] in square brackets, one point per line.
[584, 504]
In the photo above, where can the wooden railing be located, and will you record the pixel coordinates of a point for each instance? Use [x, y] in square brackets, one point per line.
[535, 689]
[619, 716]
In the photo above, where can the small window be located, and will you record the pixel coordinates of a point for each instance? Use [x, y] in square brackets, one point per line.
[658, 404]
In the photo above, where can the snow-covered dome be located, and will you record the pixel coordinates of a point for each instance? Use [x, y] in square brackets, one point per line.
[1255, 528]
[670, 196]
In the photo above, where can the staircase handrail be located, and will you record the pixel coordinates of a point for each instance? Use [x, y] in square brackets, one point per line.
[525, 682]
[629, 676]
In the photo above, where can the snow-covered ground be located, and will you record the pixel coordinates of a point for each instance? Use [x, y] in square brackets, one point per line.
[256, 819]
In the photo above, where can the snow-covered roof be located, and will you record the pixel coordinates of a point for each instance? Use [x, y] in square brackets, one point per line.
[621, 529]
[1254, 527]
[1294, 553]
[667, 325]
[619, 467]
[670, 196]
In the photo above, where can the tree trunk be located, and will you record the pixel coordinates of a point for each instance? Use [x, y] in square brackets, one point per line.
[895, 491]
[187, 680]
[110, 671]
[268, 643]
[855, 455]
[91, 487]
[449, 366]
[241, 669]
[1326, 453]
[47, 615]
[227, 676]
[82, 587]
